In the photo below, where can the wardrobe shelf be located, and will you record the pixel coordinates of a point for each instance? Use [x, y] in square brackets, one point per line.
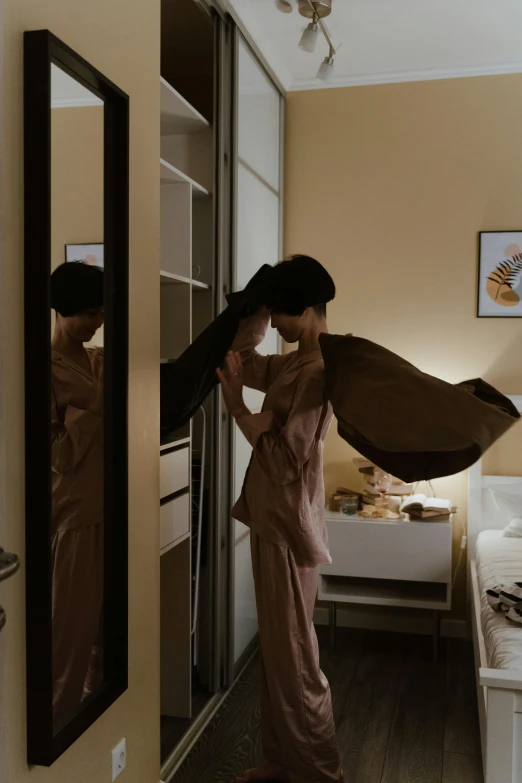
[168, 278]
[175, 543]
[177, 115]
[175, 444]
[169, 174]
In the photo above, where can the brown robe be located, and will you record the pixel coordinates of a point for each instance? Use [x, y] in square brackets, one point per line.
[77, 531]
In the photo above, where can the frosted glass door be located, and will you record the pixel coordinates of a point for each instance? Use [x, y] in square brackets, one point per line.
[258, 242]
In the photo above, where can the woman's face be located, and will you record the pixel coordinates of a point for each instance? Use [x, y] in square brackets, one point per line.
[288, 326]
[84, 326]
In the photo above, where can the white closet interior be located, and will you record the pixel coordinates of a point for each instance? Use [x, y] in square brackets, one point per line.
[186, 169]
[211, 243]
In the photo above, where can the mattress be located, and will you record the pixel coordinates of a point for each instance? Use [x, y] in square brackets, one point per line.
[499, 561]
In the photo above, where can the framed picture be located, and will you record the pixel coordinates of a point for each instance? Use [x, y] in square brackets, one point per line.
[89, 254]
[500, 274]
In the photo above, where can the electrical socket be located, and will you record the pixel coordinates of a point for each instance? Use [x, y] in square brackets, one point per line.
[119, 758]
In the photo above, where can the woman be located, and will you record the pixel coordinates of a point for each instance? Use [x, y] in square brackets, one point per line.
[77, 485]
[283, 503]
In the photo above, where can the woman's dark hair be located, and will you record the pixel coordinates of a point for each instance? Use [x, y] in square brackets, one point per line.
[296, 283]
[76, 287]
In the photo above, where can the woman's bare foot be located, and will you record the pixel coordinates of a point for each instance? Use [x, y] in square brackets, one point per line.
[268, 772]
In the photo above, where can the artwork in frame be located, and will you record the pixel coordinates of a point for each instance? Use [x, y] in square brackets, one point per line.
[500, 274]
[91, 254]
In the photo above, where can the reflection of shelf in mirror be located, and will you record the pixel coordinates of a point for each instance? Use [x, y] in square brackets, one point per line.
[168, 278]
[177, 115]
[170, 174]
[175, 543]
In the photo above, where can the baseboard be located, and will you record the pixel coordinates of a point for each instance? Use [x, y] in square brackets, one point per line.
[398, 621]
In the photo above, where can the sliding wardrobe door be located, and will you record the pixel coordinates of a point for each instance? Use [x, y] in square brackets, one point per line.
[259, 108]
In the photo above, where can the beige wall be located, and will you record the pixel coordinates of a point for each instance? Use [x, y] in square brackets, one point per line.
[77, 178]
[388, 187]
[120, 38]
[76, 183]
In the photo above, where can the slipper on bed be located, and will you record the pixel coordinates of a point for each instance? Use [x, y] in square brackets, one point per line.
[511, 594]
[494, 598]
[503, 597]
[515, 614]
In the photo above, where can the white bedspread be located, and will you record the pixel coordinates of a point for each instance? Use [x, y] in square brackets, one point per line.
[499, 561]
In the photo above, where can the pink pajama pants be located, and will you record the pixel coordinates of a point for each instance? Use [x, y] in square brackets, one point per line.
[77, 562]
[297, 726]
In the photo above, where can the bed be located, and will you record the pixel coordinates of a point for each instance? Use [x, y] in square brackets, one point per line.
[493, 560]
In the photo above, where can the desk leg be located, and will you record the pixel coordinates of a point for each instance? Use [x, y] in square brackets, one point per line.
[436, 635]
[333, 622]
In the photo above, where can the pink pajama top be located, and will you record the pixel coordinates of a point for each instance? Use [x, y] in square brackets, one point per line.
[282, 498]
[77, 443]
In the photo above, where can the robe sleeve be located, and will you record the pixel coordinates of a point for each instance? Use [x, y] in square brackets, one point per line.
[71, 438]
[282, 452]
[259, 372]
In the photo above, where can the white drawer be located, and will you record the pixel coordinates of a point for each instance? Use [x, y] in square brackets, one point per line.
[174, 472]
[174, 520]
[409, 551]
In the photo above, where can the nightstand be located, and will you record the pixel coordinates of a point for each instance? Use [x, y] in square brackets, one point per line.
[381, 562]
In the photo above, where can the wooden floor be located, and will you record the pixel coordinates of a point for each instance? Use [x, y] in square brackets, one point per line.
[401, 718]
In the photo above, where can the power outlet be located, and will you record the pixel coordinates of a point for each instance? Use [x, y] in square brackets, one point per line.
[119, 759]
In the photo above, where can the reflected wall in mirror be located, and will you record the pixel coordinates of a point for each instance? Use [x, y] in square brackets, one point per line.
[76, 191]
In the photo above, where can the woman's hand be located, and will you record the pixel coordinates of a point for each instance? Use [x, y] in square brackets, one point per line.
[96, 402]
[231, 379]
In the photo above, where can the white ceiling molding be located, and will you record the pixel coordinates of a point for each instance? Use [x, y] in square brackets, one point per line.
[68, 103]
[434, 74]
[67, 93]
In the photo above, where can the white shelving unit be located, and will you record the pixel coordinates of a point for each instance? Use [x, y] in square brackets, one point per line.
[170, 174]
[186, 307]
[178, 117]
[167, 278]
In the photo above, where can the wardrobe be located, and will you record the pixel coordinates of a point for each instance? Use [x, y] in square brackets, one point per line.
[220, 186]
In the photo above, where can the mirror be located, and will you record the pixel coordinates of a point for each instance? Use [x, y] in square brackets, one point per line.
[76, 248]
[77, 462]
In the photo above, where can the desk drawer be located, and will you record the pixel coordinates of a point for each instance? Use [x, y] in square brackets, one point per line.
[174, 472]
[174, 519]
[419, 552]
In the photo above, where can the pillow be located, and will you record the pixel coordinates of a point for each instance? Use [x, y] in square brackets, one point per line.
[508, 500]
[514, 529]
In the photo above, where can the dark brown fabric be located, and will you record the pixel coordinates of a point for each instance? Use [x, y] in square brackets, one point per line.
[410, 424]
[187, 382]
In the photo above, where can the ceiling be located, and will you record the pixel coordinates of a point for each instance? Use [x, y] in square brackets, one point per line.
[66, 92]
[387, 41]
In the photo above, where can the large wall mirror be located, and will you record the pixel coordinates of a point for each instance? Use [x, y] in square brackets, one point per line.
[76, 335]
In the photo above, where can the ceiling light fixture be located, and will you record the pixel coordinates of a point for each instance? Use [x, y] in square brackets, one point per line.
[312, 8]
[309, 38]
[284, 6]
[326, 69]
[316, 10]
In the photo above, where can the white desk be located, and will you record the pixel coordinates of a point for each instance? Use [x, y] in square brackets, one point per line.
[384, 562]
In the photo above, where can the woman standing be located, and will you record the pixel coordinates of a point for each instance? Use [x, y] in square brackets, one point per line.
[282, 501]
[77, 485]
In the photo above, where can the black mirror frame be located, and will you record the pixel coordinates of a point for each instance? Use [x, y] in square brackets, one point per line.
[41, 48]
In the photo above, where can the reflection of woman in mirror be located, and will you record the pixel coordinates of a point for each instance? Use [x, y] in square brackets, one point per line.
[77, 485]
